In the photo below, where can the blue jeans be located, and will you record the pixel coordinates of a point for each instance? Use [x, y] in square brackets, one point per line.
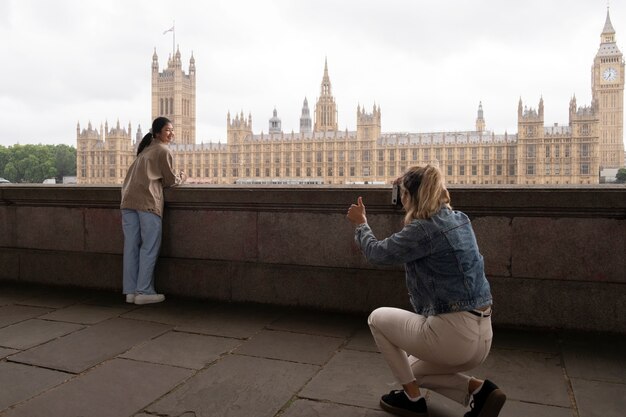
[142, 241]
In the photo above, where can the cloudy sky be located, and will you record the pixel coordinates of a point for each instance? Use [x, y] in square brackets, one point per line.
[426, 63]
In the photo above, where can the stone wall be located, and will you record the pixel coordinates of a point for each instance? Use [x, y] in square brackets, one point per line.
[555, 257]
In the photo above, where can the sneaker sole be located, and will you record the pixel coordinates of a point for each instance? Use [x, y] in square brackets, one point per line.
[400, 411]
[493, 405]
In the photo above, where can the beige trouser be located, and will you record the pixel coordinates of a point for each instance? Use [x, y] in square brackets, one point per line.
[432, 350]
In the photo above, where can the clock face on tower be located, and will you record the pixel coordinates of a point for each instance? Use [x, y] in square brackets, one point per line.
[609, 74]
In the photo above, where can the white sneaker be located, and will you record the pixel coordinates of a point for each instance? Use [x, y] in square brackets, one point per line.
[130, 298]
[149, 298]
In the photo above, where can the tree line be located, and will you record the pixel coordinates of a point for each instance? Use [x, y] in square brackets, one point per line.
[35, 163]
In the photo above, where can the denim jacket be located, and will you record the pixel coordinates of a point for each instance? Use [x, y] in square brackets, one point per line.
[444, 269]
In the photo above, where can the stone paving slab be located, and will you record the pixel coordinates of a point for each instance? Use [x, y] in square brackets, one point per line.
[14, 314]
[86, 348]
[295, 347]
[231, 321]
[10, 294]
[105, 298]
[532, 341]
[307, 408]
[599, 399]
[352, 378]
[118, 388]
[6, 352]
[21, 382]
[526, 376]
[363, 340]
[544, 373]
[172, 313]
[86, 314]
[606, 361]
[514, 408]
[236, 386]
[54, 297]
[440, 406]
[186, 350]
[29, 333]
[322, 324]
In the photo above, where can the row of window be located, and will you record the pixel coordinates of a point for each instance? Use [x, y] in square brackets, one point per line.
[555, 150]
[584, 169]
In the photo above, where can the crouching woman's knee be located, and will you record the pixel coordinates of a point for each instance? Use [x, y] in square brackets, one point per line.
[378, 316]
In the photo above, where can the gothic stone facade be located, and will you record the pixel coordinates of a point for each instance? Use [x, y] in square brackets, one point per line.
[320, 153]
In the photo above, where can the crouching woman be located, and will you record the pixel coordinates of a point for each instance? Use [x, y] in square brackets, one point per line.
[450, 330]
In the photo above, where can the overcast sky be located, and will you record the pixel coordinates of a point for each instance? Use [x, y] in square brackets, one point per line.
[426, 63]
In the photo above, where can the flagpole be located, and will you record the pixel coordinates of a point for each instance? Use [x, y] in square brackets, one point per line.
[173, 38]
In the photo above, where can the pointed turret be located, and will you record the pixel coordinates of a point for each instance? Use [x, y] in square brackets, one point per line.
[275, 123]
[192, 65]
[305, 118]
[155, 62]
[480, 120]
[139, 135]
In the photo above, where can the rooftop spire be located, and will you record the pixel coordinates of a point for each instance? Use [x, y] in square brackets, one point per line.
[608, 27]
[326, 80]
[608, 33]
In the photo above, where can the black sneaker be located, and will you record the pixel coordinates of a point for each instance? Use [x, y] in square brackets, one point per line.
[396, 402]
[487, 402]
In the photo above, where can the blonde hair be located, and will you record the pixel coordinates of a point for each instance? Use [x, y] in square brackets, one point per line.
[427, 192]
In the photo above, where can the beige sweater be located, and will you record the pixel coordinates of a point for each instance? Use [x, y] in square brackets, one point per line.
[146, 177]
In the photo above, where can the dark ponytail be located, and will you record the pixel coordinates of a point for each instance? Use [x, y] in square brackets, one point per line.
[157, 125]
[144, 142]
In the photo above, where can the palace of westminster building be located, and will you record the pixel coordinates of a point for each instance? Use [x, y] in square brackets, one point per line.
[320, 153]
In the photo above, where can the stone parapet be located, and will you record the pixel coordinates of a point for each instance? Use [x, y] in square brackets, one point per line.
[554, 256]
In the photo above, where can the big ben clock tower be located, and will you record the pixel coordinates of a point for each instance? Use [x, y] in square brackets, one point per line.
[607, 89]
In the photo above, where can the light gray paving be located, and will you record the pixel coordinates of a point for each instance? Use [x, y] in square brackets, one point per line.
[187, 350]
[319, 323]
[21, 382]
[363, 340]
[532, 341]
[307, 408]
[172, 313]
[295, 347]
[6, 352]
[230, 321]
[54, 297]
[86, 314]
[440, 406]
[248, 360]
[86, 348]
[29, 333]
[117, 388]
[514, 408]
[237, 386]
[599, 399]
[526, 376]
[599, 358]
[352, 378]
[11, 314]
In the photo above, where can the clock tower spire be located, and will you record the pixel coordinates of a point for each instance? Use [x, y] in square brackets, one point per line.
[607, 90]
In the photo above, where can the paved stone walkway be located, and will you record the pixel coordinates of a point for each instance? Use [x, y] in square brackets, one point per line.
[68, 353]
